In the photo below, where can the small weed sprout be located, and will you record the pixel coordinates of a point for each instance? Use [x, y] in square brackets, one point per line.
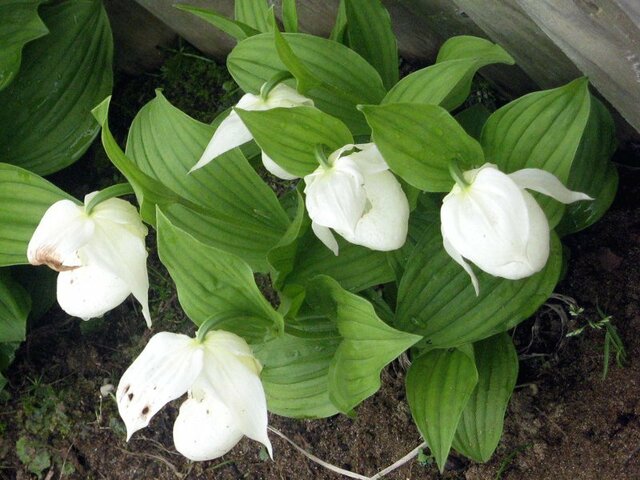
[612, 338]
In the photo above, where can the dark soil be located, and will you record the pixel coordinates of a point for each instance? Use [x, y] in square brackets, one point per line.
[564, 420]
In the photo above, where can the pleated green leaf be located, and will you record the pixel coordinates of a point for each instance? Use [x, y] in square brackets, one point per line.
[290, 135]
[290, 16]
[254, 13]
[419, 141]
[234, 28]
[436, 298]
[45, 119]
[368, 343]
[473, 119]
[540, 130]
[592, 171]
[480, 426]
[15, 304]
[369, 33]
[448, 82]
[19, 25]
[149, 191]
[296, 366]
[24, 197]
[214, 283]
[239, 213]
[439, 384]
[345, 78]
[302, 257]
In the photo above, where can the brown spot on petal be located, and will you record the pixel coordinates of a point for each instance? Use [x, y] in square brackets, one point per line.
[145, 410]
[130, 396]
[48, 256]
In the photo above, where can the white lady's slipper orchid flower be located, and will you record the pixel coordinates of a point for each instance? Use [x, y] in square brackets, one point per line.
[232, 132]
[496, 224]
[357, 196]
[101, 255]
[225, 401]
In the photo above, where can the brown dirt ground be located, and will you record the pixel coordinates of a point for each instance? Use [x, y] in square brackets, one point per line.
[564, 421]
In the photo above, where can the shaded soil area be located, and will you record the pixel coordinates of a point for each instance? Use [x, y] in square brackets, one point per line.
[564, 420]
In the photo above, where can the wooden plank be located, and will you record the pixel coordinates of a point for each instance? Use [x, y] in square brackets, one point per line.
[603, 40]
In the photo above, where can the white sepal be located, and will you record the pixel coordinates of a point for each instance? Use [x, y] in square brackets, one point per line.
[547, 184]
[325, 235]
[62, 230]
[235, 378]
[232, 133]
[274, 169]
[165, 370]
[335, 196]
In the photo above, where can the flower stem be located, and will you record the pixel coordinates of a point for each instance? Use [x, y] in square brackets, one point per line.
[321, 156]
[211, 323]
[457, 174]
[279, 77]
[110, 192]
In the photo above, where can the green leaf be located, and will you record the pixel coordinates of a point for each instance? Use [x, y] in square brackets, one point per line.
[439, 384]
[290, 16]
[41, 285]
[19, 25]
[290, 135]
[212, 282]
[369, 33]
[24, 198]
[296, 365]
[45, 119]
[592, 171]
[448, 82]
[241, 213]
[149, 191]
[305, 79]
[254, 13]
[472, 119]
[338, 32]
[418, 141]
[368, 343]
[540, 130]
[233, 28]
[304, 257]
[345, 78]
[480, 427]
[436, 298]
[15, 304]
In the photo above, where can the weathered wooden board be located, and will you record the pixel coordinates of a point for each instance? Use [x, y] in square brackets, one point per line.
[602, 38]
[553, 41]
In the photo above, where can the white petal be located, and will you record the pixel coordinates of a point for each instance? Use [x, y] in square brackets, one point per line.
[165, 370]
[205, 428]
[385, 223]
[283, 96]
[369, 159]
[119, 249]
[537, 247]
[274, 169]
[90, 291]
[546, 183]
[236, 382]
[488, 222]
[335, 196]
[63, 229]
[453, 253]
[231, 133]
[120, 212]
[326, 237]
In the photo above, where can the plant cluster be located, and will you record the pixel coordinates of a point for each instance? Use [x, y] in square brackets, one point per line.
[409, 224]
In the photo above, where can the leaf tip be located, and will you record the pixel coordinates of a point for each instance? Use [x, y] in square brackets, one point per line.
[101, 111]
